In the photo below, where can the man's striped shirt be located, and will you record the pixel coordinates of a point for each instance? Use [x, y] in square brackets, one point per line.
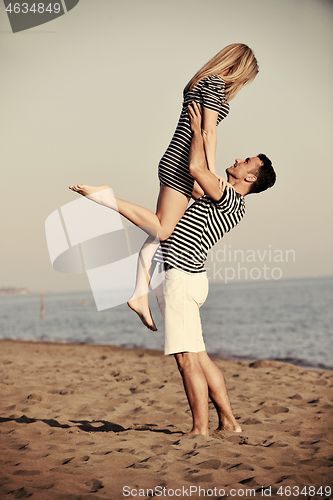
[203, 224]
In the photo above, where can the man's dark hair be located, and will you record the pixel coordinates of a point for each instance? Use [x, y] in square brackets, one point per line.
[266, 176]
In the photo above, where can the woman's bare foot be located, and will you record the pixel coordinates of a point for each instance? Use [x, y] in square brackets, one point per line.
[141, 307]
[99, 194]
[86, 190]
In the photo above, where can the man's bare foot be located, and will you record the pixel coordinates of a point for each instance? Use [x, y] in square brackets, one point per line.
[141, 307]
[229, 426]
[197, 433]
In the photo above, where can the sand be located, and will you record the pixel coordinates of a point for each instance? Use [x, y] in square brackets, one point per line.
[100, 422]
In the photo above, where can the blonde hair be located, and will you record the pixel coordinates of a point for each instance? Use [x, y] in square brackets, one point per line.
[239, 59]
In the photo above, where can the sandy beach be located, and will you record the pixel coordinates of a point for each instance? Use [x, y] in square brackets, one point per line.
[98, 422]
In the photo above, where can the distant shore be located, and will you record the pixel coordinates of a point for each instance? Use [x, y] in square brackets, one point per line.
[14, 291]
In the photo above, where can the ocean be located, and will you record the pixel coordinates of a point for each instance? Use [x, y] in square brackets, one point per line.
[286, 320]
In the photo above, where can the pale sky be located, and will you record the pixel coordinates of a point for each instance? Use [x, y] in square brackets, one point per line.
[95, 95]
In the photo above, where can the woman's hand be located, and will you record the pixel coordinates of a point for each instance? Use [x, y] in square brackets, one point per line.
[222, 182]
[194, 110]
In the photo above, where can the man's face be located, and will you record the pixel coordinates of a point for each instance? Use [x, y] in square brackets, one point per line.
[241, 169]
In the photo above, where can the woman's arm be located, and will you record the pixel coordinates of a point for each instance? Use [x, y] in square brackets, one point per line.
[209, 135]
[206, 180]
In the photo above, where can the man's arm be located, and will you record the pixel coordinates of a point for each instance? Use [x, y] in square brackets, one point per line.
[209, 183]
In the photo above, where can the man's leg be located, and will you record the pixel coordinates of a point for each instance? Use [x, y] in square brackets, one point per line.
[179, 298]
[218, 393]
[196, 389]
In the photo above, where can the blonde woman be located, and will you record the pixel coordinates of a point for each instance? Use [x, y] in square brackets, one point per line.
[213, 86]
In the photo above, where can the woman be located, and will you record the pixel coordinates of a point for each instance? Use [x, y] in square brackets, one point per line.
[213, 86]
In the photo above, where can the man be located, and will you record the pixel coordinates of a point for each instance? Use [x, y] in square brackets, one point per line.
[218, 208]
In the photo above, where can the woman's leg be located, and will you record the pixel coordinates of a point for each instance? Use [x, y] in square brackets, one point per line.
[171, 206]
[139, 300]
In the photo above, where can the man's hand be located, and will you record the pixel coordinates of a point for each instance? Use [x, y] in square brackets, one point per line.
[194, 110]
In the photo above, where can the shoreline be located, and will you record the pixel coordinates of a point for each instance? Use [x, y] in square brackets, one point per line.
[82, 421]
[302, 337]
[300, 363]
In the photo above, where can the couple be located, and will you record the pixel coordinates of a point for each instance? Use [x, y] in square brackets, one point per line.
[188, 169]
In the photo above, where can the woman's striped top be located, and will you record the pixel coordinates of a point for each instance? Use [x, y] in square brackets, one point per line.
[173, 170]
[203, 224]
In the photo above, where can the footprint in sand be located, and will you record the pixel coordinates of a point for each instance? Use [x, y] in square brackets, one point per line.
[34, 397]
[21, 493]
[206, 478]
[124, 378]
[241, 466]
[20, 446]
[45, 486]
[95, 485]
[252, 421]
[210, 464]
[296, 396]
[23, 472]
[250, 481]
[269, 411]
[276, 444]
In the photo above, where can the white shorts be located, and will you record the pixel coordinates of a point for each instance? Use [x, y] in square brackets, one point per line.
[179, 297]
